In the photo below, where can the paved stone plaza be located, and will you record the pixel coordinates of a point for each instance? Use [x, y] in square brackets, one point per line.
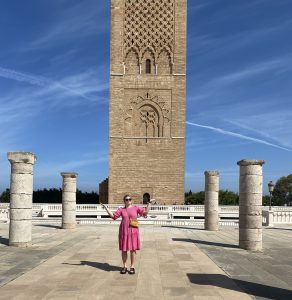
[175, 263]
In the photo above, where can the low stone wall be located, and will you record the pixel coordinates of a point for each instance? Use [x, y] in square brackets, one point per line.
[172, 222]
[4, 214]
[278, 214]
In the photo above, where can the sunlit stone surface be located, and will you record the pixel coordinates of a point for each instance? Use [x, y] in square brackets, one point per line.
[21, 189]
[69, 200]
[250, 204]
[211, 200]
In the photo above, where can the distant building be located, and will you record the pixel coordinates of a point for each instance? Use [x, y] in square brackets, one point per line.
[103, 191]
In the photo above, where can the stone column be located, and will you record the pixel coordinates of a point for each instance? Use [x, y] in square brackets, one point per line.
[250, 204]
[21, 189]
[69, 200]
[211, 200]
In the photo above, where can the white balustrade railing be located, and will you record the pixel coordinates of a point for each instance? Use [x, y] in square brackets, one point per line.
[96, 209]
[277, 215]
[142, 222]
[4, 214]
[158, 213]
[278, 208]
[282, 217]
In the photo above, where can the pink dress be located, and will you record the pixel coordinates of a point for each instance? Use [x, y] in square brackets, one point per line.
[129, 237]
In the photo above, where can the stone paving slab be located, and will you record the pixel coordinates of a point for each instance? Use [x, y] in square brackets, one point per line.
[84, 264]
[264, 275]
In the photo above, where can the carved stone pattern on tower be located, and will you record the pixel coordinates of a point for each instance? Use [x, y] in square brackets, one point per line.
[147, 117]
[149, 29]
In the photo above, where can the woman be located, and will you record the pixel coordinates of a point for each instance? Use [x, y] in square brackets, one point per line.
[129, 238]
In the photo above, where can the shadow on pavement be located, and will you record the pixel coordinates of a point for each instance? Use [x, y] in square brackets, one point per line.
[48, 225]
[181, 227]
[4, 241]
[255, 289]
[277, 228]
[102, 266]
[206, 243]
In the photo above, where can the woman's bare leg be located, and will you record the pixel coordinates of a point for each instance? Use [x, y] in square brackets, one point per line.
[124, 258]
[133, 258]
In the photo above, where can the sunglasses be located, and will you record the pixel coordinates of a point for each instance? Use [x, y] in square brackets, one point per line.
[128, 199]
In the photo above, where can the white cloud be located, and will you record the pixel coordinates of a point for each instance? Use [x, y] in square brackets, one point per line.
[23, 104]
[207, 45]
[250, 72]
[76, 21]
[76, 80]
[194, 7]
[53, 169]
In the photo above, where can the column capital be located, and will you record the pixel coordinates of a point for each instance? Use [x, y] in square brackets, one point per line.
[211, 173]
[69, 174]
[21, 157]
[248, 162]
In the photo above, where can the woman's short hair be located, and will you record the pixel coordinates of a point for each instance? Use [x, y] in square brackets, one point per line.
[126, 196]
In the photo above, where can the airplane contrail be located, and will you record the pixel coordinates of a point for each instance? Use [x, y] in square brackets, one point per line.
[38, 81]
[238, 135]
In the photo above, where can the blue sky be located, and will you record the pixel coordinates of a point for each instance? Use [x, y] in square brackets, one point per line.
[54, 79]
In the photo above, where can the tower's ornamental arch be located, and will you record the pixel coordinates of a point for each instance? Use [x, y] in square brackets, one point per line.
[147, 100]
[147, 117]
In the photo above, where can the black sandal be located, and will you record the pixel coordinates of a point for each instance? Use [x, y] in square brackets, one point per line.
[132, 271]
[124, 270]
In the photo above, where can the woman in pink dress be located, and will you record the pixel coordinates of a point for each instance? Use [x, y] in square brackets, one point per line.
[129, 237]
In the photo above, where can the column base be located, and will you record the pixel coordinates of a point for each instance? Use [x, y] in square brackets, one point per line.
[211, 228]
[211, 225]
[69, 226]
[251, 245]
[20, 244]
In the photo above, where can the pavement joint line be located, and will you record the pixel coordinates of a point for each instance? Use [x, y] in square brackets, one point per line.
[229, 273]
[43, 258]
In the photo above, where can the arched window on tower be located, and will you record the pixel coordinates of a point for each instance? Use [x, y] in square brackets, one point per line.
[148, 66]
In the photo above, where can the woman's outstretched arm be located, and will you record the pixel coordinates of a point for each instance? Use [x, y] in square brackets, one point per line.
[148, 206]
[107, 210]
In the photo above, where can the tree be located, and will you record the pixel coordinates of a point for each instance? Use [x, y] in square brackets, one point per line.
[86, 198]
[55, 196]
[228, 198]
[47, 196]
[188, 193]
[282, 193]
[5, 196]
[225, 198]
[195, 198]
[266, 200]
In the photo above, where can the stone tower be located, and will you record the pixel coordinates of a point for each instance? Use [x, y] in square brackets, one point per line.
[147, 100]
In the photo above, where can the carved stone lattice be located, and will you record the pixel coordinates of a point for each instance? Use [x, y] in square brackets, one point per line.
[149, 26]
[147, 117]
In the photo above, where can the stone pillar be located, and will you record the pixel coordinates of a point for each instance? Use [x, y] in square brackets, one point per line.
[21, 189]
[270, 218]
[250, 204]
[211, 200]
[69, 200]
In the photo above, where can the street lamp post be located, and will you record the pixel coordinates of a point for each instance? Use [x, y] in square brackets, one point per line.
[271, 189]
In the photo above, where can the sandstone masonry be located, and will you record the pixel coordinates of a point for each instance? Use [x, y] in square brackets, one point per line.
[21, 189]
[147, 100]
[250, 204]
[212, 200]
[69, 200]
